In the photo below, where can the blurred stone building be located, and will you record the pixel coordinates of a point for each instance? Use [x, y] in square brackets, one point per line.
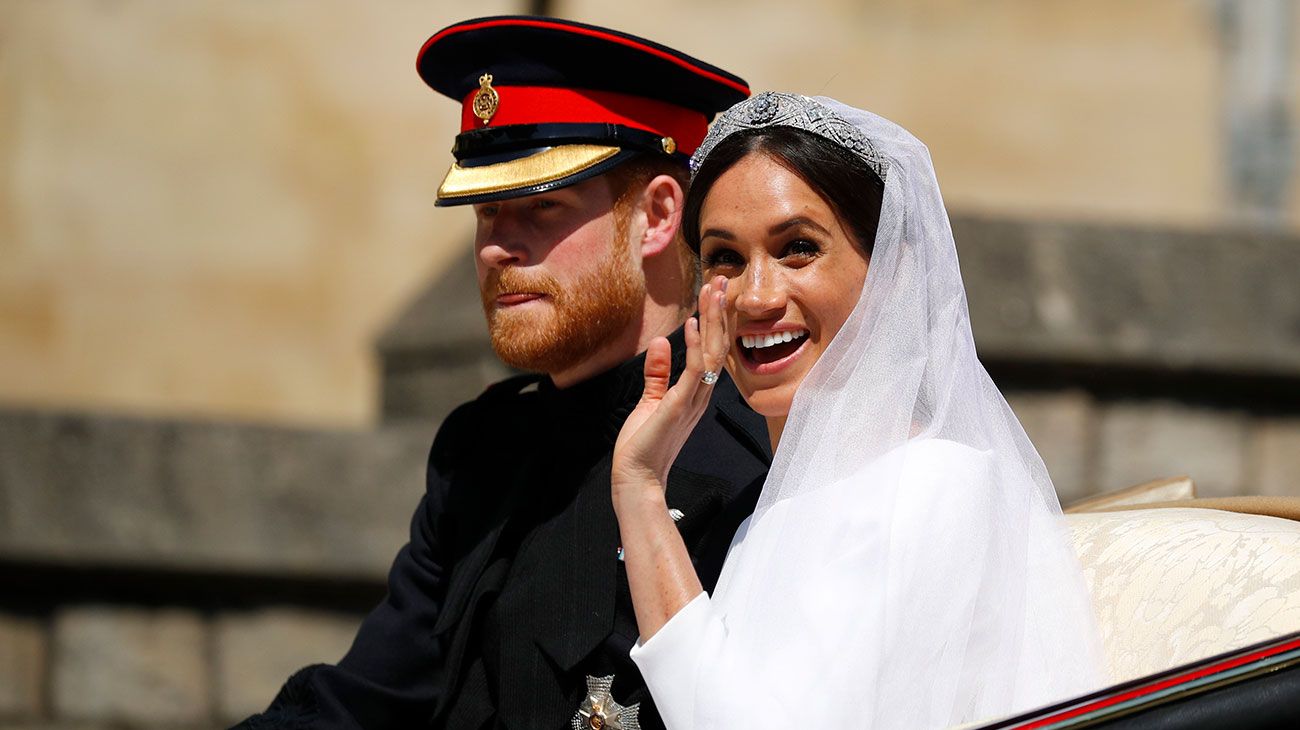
[231, 320]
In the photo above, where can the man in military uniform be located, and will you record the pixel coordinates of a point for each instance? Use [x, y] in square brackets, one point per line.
[510, 607]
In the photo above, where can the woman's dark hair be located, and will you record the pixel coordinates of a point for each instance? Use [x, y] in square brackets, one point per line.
[853, 190]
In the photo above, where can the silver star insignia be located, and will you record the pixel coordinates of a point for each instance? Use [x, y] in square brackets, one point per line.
[599, 711]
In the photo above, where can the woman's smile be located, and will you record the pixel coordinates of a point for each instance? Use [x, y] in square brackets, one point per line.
[765, 353]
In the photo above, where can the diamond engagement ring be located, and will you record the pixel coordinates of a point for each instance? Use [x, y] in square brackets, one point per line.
[709, 377]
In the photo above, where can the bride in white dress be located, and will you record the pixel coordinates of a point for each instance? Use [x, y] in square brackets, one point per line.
[906, 565]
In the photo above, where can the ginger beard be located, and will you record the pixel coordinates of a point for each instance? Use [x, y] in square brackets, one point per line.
[574, 321]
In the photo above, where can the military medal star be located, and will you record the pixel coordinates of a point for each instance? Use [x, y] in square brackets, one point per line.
[599, 711]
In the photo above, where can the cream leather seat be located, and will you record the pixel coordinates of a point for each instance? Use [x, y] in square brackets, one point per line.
[1173, 584]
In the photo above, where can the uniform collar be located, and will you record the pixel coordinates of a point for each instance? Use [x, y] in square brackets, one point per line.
[600, 404]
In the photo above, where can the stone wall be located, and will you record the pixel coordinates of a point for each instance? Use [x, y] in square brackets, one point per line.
[209, 209]
[111, 665]
[1092, 445]
[212, 209]
[170, 574]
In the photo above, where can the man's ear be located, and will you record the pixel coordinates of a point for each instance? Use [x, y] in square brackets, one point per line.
[661, 203]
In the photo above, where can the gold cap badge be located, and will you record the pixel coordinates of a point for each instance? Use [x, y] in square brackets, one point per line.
[486, 99]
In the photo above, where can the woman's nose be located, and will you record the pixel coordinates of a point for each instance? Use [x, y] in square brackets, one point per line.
[761, 292]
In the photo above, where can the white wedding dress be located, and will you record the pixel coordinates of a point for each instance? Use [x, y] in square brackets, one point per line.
[906, 565]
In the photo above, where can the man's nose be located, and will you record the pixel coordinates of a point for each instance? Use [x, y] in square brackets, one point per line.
[503, 243]
[762, 291]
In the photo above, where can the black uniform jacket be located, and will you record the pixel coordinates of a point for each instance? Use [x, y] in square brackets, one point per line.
[510, 592]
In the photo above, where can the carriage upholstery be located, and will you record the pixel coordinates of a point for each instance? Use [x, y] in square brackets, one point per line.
[1173, 581]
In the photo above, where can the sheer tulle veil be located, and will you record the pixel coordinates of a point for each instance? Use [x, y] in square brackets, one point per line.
[855, 599]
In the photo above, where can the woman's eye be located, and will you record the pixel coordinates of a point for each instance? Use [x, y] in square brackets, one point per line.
[802, 247]
[721, 257]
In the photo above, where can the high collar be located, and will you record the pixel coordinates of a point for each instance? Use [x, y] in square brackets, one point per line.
[600, 404]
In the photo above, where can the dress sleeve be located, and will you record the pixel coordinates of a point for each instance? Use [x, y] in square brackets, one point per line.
[672, 659]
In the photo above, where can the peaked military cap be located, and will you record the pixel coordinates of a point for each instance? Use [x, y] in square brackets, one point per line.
[547, 103]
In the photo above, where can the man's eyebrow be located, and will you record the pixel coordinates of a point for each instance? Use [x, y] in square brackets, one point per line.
[796, 221]
[718, 233]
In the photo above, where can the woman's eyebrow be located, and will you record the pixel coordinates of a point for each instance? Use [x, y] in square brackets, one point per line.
[796, 221]
[718, 233]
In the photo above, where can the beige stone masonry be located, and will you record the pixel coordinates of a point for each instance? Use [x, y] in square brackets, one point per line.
[138, 666]
[256, 652]
[1144, 440]
[24, 657]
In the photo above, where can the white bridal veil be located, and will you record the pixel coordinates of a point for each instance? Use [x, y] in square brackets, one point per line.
[907, 565]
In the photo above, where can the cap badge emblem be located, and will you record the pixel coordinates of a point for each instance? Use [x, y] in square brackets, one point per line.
[669, 144]
[486, 99]
[599, 711]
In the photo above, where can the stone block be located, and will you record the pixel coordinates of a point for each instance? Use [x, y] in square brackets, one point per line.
[56, 725]
[127, 665]
[1219, 301]
[256, 652]
[313, 503]
[174, 494]
[1141, 441]
[79, 481]
[1063, 428]
[1275, 458]
[23, 664]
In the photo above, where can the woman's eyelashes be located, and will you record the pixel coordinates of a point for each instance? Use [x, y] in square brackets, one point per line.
[802, 248]
[722, 257]
[798, 251]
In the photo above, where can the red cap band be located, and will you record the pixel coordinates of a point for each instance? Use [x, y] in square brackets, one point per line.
[547, 105]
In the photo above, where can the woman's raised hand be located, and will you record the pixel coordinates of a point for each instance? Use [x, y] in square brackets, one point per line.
[657, 428]
[660, 574]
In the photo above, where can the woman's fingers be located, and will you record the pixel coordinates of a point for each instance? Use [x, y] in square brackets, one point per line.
[716, 342]
[695, 331]
[658, 369]
[713, 334]
[661, 423]
[706, 349]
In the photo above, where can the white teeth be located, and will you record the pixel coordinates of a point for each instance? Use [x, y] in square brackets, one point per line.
[758, 342]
